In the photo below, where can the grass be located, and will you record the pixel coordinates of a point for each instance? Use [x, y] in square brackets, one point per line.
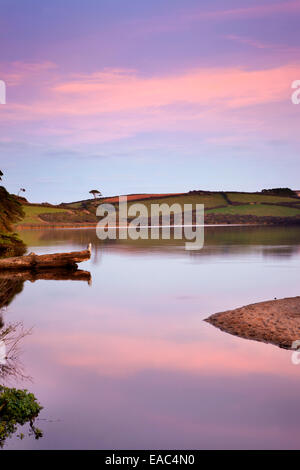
[43, 215]
[259, 198]
[74, 205]
[209, 200]
[32, 213]
[258, 210]
[214, 203]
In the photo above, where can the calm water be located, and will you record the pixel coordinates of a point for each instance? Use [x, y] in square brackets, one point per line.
[128, 362]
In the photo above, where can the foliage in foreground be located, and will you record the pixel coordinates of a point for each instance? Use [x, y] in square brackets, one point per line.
[11, 245]
[10, 212]
[17, 407]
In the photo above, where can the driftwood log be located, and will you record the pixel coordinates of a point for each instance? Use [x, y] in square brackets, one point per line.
[37, 262]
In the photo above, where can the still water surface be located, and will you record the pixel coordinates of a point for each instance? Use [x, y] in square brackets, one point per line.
[128, 362]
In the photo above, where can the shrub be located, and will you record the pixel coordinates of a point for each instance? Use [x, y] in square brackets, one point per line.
[280, 192]
[10, 210]
[17, 407]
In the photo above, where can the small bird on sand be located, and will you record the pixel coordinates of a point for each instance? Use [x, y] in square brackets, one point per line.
[90, 248]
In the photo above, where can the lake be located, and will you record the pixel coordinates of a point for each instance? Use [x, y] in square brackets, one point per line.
[128, 362]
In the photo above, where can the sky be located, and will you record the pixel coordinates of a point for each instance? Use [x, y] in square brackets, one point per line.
[132, 96]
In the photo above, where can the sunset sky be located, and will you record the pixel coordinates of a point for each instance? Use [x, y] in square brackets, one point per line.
[131, 96]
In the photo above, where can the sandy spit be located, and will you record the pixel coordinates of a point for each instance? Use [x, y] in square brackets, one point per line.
[274, 321]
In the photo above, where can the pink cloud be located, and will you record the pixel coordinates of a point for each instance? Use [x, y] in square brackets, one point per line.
[111, 91]
[113, 354]
[113, 104]
[18, 72]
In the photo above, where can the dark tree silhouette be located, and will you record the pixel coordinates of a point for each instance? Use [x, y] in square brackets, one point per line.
[95, 193]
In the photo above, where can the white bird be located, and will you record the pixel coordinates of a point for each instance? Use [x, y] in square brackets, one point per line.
[90, 248]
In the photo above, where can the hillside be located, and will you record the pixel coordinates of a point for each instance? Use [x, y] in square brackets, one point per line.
[268, 207]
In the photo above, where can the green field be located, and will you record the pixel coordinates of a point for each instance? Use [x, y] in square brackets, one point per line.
[213, 200]
[32, 213]
[245, 198]
[214, 203]
[258, 210]
[74, 205]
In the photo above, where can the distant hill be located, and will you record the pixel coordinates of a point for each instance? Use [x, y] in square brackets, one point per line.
[275, 206]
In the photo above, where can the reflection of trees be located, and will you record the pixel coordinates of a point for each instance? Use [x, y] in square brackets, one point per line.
[10, 364]
[11, 284]
[280, 251]
[11, 335]
[17, 407]
[9, 288]
[229, 239]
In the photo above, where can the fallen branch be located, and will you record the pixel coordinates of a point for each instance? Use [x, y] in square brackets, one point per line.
[37, 262]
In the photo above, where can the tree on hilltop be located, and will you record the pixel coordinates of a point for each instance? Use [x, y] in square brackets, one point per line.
[95, 193]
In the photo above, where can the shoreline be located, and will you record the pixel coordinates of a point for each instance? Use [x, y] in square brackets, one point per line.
[94, 225]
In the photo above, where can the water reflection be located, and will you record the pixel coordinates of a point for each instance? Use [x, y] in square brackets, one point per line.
[19, 407]
[17, 278]
[11, 335]
[12, 284]
[135, 343]
[9, 288]
[269, 241]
